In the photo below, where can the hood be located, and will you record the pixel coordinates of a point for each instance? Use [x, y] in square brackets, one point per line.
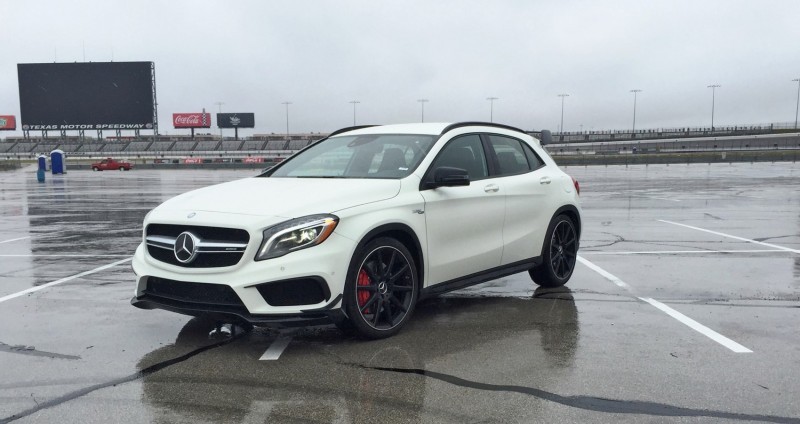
[284, 197]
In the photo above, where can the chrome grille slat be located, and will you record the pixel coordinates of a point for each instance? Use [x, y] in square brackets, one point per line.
[223, 247]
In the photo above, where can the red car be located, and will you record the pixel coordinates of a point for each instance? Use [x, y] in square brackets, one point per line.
[111, 164]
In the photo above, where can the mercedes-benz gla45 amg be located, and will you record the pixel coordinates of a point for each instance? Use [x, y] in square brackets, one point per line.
[358, 227]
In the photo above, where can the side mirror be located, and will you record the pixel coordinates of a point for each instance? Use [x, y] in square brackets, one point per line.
[446, 176]
[547, 137]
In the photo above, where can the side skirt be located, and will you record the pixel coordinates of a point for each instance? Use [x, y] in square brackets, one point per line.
[480, 277]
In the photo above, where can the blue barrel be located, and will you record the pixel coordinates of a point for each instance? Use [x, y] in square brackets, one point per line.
[40, 175]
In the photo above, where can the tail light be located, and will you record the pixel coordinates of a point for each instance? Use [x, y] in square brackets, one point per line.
[577, 185]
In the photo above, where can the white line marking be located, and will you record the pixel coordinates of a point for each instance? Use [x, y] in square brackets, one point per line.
[654, 197]
[63, 256]
[16, 239]
[774, 246]
[694, 325]
[276, 348]
[675, 252]
[607, 275]
[63, 280]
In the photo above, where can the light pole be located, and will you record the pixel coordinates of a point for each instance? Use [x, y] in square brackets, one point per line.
[219, 104]
[797, 108]
[713, 88]
[563, 95]
[354, 102]
[422, 104]
[491, 107]
[287, 117]
[634, 91]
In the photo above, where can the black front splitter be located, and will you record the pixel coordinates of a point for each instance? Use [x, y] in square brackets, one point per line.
[226, 313]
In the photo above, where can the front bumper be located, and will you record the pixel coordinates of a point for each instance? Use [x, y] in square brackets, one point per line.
[327, 262]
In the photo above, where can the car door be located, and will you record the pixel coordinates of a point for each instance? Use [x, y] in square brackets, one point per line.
[526, 182]
[464, 224]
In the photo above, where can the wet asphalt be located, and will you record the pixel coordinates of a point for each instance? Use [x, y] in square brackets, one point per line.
[716, 244]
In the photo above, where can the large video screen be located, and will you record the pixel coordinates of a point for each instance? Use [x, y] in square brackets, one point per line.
[86, 96]
[236, 120]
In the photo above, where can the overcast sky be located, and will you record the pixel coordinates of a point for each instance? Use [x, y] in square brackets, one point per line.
[319, 55]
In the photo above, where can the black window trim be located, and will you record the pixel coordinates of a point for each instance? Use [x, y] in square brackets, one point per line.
[532, 150]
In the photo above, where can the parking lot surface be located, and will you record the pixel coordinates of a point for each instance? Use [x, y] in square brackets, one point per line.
[684, 308]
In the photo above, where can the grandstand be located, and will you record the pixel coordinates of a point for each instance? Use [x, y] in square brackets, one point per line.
[171, 145]
[206, 146]
[137, 146]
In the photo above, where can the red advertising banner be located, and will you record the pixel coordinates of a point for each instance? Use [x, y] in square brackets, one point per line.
[191, 120]
[193, 160]
[253, 160]
[8, 122]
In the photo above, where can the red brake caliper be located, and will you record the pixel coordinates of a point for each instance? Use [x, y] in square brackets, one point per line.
[363, 295]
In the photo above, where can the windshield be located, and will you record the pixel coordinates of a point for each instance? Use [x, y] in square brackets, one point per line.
[362, 156]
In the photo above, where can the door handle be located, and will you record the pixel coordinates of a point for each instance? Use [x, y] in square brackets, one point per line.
[491, 188]
[544, 180]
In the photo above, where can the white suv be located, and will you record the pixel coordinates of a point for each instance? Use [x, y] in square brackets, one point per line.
[359, 226]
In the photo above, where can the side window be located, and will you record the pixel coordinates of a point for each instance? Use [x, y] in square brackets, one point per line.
[533, 159]
[510, 156]
[464, 152]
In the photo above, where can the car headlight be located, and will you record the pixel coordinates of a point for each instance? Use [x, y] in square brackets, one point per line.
[296, 234]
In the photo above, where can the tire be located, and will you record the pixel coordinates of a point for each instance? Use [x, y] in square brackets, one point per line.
[381, 289]
[559, 254]
[121, 168]
[95, 169]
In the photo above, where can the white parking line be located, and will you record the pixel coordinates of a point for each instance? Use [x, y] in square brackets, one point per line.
[607, 275]
[63, 280]
[774, 246]
[700, 328]
[654, 197]
[16, 239]
[276, 348]
[694, 325]
[675, 252]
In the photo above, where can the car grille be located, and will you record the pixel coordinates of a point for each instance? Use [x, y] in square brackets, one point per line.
[214, 259]
[193, 293]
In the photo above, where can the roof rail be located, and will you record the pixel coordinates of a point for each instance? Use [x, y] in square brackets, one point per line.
[346, 129]
[478, 123]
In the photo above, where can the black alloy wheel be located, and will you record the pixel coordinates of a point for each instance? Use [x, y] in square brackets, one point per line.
[559, 254]
[382, 289]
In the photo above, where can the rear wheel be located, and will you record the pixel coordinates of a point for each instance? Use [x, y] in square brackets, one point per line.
[381, 289]
[121, 168]
[559, 254]
[94, 168]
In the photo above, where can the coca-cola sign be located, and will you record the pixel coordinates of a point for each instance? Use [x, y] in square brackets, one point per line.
[8, 122]
[191, 120]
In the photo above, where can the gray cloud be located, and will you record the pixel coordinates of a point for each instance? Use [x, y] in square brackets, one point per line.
[253, 55]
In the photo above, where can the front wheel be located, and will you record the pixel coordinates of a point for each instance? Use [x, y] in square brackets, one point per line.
[121, 168]
[559, 254]
[95, 169]
[381, 289]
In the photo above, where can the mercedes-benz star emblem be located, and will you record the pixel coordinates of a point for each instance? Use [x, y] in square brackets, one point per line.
[186, 247]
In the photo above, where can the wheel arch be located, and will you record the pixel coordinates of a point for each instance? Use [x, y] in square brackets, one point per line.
[404, 234]
[573, 213]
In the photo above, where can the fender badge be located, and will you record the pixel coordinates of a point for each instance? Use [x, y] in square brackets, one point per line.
[191, 215]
